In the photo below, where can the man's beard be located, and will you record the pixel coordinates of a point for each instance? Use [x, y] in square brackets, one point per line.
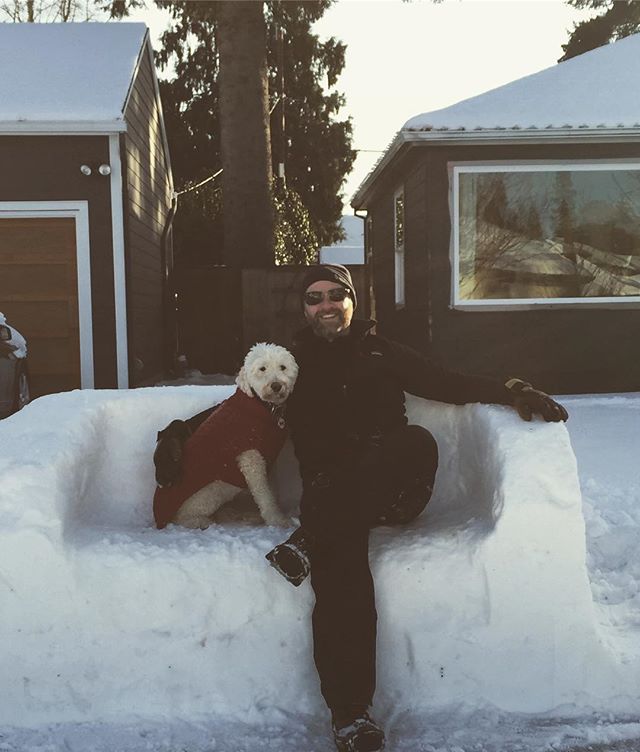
[329, 329]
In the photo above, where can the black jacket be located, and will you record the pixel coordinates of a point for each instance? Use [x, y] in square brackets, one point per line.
[352, 390]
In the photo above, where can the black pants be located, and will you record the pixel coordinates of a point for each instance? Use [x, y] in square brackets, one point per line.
[390, 483]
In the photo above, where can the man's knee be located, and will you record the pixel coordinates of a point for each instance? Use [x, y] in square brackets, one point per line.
[422, 439]
[420, 453]
[418, 463]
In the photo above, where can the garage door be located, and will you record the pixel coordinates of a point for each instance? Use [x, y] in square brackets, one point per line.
[39, 296]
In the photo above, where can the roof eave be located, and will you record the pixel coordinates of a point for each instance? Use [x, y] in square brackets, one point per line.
[487, 136]
[59, 127]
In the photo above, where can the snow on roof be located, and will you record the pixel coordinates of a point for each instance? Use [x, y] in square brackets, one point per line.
[595, 93]
[66, 72]
[598, 89]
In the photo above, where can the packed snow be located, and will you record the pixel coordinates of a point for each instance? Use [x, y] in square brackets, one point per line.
[509, 613]
[593, 90]
[51, 72]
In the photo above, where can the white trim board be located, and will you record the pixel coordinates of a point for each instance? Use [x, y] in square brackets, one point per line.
[119, 268]
[57, 128]
[79, 211]
[455, 169]
[529, 137]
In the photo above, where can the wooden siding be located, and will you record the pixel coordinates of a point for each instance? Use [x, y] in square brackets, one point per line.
[47, 168]
[148, 203]
[562, 350]
[39, 296]
[223, 311]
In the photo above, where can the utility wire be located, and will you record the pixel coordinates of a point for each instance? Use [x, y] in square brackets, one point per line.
[200, 184]
[215, 174]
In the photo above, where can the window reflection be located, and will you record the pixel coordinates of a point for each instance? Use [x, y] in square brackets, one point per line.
[551, 233]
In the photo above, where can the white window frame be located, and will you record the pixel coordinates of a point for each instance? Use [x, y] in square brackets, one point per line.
[79, 211]
[494, 304]
[398, 249]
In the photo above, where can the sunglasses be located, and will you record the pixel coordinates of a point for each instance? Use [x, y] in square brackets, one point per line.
[335, 295]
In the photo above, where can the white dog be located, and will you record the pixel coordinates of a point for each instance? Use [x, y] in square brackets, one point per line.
[234, 447]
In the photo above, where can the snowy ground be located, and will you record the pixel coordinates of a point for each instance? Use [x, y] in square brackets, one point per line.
[495, 632]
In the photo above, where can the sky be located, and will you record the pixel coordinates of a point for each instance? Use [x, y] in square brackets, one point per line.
[406, 58]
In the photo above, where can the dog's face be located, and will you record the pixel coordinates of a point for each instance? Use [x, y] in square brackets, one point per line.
[269, 371]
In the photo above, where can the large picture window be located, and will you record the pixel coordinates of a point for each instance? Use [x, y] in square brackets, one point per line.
[552, 234]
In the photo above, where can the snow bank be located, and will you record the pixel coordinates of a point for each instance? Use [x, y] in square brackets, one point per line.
[485, 597]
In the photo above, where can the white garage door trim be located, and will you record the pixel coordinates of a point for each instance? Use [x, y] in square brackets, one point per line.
[79, 211]
[119, 270]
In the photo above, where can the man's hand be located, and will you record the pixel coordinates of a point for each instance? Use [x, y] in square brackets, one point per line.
[529, 401]
[168, 455]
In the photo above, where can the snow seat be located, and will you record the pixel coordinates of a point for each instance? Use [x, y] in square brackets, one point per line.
[202, 615]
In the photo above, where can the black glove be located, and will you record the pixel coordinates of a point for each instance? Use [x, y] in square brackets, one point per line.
[168, 455]
[529, 401]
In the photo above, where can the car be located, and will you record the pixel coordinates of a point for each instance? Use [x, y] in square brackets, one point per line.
[15, 391]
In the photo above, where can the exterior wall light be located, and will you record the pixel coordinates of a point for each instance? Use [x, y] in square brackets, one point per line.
[85, 169]
[104, 169]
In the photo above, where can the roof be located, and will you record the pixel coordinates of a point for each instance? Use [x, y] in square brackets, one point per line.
[67, 77]
[593, 95]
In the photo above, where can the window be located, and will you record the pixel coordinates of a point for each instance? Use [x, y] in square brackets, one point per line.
[368, 239]
[398, 242]
[546, 234]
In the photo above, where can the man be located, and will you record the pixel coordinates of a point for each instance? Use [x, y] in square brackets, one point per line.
[362, 465]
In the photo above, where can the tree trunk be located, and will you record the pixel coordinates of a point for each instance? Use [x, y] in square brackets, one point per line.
[245, 135]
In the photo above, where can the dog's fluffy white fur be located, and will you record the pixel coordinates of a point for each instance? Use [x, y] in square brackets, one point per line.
[269, 371]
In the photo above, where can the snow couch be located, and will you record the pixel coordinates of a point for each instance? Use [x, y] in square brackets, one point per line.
[105, 616]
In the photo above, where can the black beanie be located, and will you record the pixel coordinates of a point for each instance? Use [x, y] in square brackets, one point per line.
[330, 273]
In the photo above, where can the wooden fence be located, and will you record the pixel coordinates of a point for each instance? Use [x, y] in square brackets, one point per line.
[222, 311]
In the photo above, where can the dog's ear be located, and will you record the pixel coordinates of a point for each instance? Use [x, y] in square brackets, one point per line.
[243, 382]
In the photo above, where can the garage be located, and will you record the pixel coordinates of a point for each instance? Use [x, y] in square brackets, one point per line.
[86, 202]
[39, 293]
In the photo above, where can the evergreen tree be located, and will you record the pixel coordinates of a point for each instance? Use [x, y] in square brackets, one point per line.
[245, 136]
[616, 19]
[318, 145]
[295, 239]
[189, 102]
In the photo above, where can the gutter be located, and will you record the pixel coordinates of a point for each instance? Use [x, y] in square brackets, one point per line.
[59, 127]
[489, 136]
[169, 318]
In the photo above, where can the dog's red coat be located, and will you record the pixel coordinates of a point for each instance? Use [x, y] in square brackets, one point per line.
[238, 424]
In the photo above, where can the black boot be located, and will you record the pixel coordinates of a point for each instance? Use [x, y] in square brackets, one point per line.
[356, 731]
[291, 558]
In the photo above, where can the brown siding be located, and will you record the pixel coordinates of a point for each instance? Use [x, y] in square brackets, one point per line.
[148, 202]
[39, 295]
[394, 322]
[47, 168]
[577, 350]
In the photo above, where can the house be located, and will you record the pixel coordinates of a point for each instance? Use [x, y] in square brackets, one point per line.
[504, 231]
[347, 251]
[86, 200]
